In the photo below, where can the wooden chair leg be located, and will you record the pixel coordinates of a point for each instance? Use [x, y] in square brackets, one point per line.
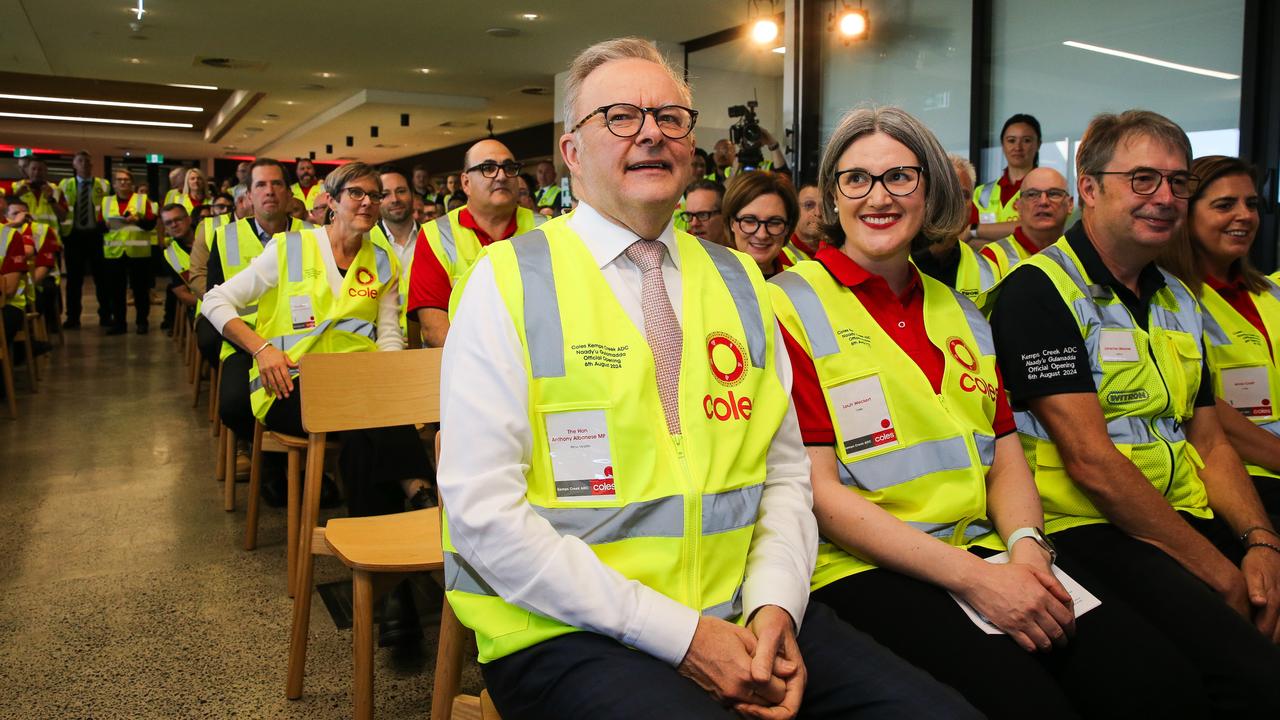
[220, 460]
[215, 380]
[197, 370]
[306, 567]
[29, 353]
[6, 370]
[255, 486]
[362, 643]
[229, 469]
[33, 335]
[294, 479]
[448, 673]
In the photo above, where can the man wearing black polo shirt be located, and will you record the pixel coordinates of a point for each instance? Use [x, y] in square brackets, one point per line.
[1101, 353]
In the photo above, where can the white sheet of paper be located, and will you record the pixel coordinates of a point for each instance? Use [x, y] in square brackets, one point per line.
[1247, 390]
[580, 458]
[1082, 600]
[986, 218]
[1118, 346]
[863, 415]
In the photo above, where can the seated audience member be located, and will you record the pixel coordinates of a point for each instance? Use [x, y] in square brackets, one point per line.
[703, 211]
[950, 260]
[41, 282]
[808, 234]
[547, 194]
[993, 212]
[526, 192]
[177, 255]
[454, 241]
[917, 477]
[1102, 352]
[1210, 253]
[699, 163]
[298, 209]
[399, 229]
[13, 276]
[319, 213]
[379, 467]
[760, 209]
[1043, 206]
[662, 568]
[223, 204]
[194, 192]
[308, 187]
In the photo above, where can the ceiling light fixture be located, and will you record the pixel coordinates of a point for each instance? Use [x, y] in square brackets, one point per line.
[763, 24]
[764, 31]
[106, 121]
[1151, 61]
[781, 50]
[139, 11]
[105, 103]
[424, 71]
[193, 87]
[133, 61]
[530, 16]
[325, 74]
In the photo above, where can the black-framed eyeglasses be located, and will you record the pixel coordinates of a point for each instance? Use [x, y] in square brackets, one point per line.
[749, 224]
[1146, 181]
[856, 183]
[625, 120]
[1056, 195]
[702, 216]
[490, 169]
[358, 194]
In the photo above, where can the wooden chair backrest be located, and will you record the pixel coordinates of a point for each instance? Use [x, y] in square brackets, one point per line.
[351, 391]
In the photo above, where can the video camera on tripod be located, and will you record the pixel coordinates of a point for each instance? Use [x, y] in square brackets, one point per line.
[747, 135]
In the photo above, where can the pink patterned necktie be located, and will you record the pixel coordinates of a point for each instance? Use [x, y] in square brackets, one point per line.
[660, 326]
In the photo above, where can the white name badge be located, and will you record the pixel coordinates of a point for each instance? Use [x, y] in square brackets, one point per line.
[986, 218]
[1118, 346]
[301, 312]
[1247, 390]
[863, 416]
[580, 458]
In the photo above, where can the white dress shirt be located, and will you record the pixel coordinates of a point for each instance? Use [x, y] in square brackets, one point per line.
[487, 446]
[263, 274]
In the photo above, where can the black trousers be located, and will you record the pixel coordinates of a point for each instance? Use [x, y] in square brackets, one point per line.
[47, 302]
[589, 676]
[1269, 491]
[1116, 666]
[129, 273]
[233, 395]
[373, 462]
[208, 341]
[83, 254]
[1240, 669]
[14, 322]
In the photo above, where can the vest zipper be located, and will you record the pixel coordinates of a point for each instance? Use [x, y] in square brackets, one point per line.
[692, 528]
[1168, 446]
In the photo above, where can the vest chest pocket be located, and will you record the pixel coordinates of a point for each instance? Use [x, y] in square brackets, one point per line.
[861, 416]
[1247, 388]
[1184, 370]
[579, 454]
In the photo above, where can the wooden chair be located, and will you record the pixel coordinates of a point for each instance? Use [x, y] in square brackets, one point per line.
[397, 388]
[6, 370]
[24, 336]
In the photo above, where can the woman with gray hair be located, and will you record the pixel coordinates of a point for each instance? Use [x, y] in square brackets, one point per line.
[918, 474]
[327, 290]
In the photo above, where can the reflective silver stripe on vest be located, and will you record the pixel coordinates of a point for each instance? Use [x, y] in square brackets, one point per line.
[1187, 318]
[1273, 288]
[986, 448]
[445, 226]
[1272, 427]
[256, 383]
[459, 575]
[731, 509]
[817, 325]
[730, 609]
[1122, 430]
[171, 254]
[977, 324]
[231, 246]
[383, 261]
[944, 531]
[1213, 330]
[658, 518]
[137, 243]
[744, 298]
[293, 252]
[986, 274]
[542, 329]
[247, 310]
[1011, 255]
[354, 326]
[906, 464]
[984, 199]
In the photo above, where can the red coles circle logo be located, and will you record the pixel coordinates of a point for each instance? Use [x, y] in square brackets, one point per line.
[726, 358]
[363, 276]
[960, 350]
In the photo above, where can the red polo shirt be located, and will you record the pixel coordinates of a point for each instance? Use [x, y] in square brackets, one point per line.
[46, 247]
[429, 284]
[901, 317]
[1237, 296]
[1021, 239]
[15, 256]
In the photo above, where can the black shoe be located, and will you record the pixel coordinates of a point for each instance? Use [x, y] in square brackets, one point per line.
[71, 324]
[274, 491]
[423, 499]
[330, 496]
[40, 348]
[117, 330]
[400, 625]
[142, 328]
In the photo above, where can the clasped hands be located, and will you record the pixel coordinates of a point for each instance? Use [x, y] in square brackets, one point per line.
[756, 670]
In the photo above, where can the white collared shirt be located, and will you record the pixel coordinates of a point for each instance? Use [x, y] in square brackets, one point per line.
[487, 446]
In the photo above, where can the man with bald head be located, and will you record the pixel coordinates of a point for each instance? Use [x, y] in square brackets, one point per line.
[1043, 208]
[455, 240]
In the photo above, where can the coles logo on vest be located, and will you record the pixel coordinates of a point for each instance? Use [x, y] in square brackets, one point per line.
[964, 355]
[364, 277]
[728, 362]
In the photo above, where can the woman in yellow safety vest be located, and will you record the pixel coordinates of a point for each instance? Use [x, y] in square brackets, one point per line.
[331, 289]
[1241, 310]
[994, 212]
[194, 191]
[760, 210]
[917, 471]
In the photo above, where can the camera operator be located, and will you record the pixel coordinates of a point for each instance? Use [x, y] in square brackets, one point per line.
[742, 150]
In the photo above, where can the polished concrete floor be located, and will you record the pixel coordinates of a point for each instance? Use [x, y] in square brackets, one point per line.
[124, 591]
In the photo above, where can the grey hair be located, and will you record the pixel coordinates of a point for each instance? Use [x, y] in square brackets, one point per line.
[1107, 130]
[960, 162]
[627, 48]
[945, 203]
[343, 174]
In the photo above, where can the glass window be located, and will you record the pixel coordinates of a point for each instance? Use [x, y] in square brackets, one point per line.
[916, 56]
[1066, 62]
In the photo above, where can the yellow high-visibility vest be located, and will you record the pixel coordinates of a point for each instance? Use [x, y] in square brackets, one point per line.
[129, 240]
[458, 247]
